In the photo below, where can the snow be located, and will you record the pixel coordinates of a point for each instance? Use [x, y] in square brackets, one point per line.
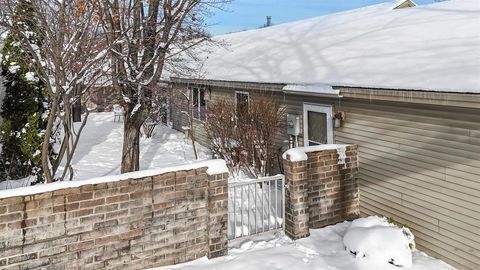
[31, 77]
[433, 47]
[216, 166]
[100, 148]
[312, 89]
[13, 68]
[370, 221]
[323, 250]
[379, 244]
[300, 153]
[376, 240]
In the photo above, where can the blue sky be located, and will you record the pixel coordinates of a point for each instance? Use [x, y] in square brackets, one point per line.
[248, 14]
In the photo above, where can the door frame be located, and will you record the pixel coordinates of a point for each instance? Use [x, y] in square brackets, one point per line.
[320, 108]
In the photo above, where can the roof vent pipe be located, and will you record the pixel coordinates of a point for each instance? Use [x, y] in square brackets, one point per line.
[269, 21]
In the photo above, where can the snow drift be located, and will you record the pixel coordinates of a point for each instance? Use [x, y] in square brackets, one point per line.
[379, 241]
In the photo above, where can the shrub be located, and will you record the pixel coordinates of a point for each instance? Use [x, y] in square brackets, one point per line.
[245, 140]
[23, 105]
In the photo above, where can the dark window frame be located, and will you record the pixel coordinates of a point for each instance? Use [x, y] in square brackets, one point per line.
[240, 93]
[198, 95]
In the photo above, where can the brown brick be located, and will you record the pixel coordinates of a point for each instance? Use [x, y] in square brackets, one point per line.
[52, 251]
[79, 213]
[130, 189]
[92, 203]
[43, 195]
[17, 207]
[11, 200]
[107, 239]
[10, 217]
[66, 191]
[22, 258]
[81, 245]
[92, 219]
[80, 197]
[118, 198]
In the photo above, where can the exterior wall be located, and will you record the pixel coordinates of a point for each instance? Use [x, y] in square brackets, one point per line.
[420, 161]
[128, 224]
[215, 93]
[320, 191]
[421, 166]
[179, 117]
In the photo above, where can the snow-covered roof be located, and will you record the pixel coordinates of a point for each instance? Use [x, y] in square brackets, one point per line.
[404, 4]
[432, 47]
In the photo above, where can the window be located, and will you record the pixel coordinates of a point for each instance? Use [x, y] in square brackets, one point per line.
[199, 110]
[242, 100]
[317, 124]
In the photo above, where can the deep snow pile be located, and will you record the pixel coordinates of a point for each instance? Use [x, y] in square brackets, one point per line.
[100, 149]
[375, 239]
[323, 250]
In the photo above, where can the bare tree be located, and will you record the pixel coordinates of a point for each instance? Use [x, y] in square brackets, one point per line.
[70, 61]
[146, 38]
[245, 139]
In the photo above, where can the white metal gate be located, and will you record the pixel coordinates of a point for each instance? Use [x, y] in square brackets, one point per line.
[256, 206]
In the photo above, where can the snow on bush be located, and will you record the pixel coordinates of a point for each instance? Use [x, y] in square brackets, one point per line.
[377, 240]
[368, 222]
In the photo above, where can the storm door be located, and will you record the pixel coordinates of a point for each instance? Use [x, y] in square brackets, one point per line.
[317, 124]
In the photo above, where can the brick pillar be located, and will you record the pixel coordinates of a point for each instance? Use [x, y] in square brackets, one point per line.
[333, 187]
[217, 215]
[296, 199]
[322, 188]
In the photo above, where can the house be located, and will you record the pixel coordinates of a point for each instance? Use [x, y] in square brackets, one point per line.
[405, 83]
[2, 87]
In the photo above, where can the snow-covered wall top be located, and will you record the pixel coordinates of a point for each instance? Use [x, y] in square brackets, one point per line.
[217, 166]
[432, 47]
[300, 153]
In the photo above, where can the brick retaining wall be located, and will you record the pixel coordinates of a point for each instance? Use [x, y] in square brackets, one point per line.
[128, 224]
[320, 190]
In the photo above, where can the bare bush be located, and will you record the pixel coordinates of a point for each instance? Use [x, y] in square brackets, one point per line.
[158, 112]
[245, 140]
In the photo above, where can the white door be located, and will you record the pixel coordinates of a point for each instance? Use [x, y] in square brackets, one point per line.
[317, 124]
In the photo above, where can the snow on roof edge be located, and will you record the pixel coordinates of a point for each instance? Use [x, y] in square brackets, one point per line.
[317, 89]
[216, 166]
[339, 84]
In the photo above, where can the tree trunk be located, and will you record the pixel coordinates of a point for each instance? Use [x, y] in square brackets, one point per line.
[131, 146]
[77, 106]
[77, 111]
[131, 137]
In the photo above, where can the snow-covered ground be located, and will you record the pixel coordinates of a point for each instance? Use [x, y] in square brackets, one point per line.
[100, 149]
[323, 250]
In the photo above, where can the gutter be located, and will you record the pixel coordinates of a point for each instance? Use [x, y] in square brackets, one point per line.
[315, 90]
